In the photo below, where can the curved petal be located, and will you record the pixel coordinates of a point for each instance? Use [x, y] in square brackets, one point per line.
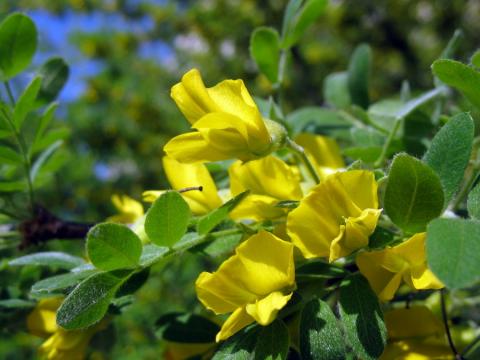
[191, 148]
[361, 188]
[264, 311]
[258, 208]
[42, 320]
[235, 322]
[324, 150]
[416, 321]
[423, 278]
[413, 249]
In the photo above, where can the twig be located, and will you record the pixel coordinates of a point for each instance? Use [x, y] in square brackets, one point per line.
[297, 149]
[447, 328]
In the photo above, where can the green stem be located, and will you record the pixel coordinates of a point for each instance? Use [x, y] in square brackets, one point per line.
[9, 92]
[278, 86]
[390, 138]
[300, 152]
[447, 328]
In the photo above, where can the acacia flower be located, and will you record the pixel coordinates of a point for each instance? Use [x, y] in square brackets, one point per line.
[129, 209]
[269, 180]
[255, 283]
[337, 216]
[181, 176]
[415, 333]
[60, 344]
[385, 269]
[227, 121]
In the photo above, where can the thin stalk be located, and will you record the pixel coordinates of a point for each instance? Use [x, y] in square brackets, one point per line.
[473, 174]
[447, 328]
[300, 152]
[9, 92]
[390, 138]
[278, 86]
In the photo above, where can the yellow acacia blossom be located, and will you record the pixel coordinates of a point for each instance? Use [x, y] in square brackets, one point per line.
[269, 180]
[415, 334]
[323, 152]
[181, 176]
[385, 269]
[129, 210]
[337, 216]
[60, 344]
[227, 121]
[255, 283]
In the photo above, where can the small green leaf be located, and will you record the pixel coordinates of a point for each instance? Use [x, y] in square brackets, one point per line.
[16, 304]
[367, 154]
[11, 186]
[186, 328]
[89, 301]
[9, 156]
[113, 246]
[335, 90]
[320, 337]
[473, 202]
[45, 119]
[302, 20]
[26, 102]
[240, 346]
[43, 157]
[476, 59]
[265, 50]
[55, 74]
[460, 76]
[272, 342]
[358, 75]
[449, 152]
[59, 283]
[453, 251]
[51, 259]
[151, 254]
[315, 119]
[167, 219]
[18, 43]
[413, 195]
[208, 222]
[362, 318]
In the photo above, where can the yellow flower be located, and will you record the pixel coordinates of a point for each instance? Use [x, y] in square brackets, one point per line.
[415, 334]
[337, 216]
[182, 176]
[323, 152]
[269, 180]
[228, 122]
[254, 284]
[385, 269]
[129, 209]
[60, 344]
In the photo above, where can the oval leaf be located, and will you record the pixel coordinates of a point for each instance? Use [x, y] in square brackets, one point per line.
[453, 251]
[450, 151]
[265, 50]
[113, 246]
[55, 74]
[320, 337]
[167, 219]
[272, 342]
[473, 202]
[18, 43]
[362, 318]
[240, 346]
[59, 283]
[413, 195]
[358, 75]
[49, 258]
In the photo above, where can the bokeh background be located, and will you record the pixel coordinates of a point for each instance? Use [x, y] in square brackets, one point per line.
[124, 56]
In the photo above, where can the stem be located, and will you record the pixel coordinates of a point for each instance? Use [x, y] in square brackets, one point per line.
[471, 346]
[447, 328]
[278, 86]
[191, 188]
[473, 175]
[297, 149]
[390, 138]
[9, 92]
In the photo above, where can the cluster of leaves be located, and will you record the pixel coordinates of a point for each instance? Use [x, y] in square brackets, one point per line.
[433, 170]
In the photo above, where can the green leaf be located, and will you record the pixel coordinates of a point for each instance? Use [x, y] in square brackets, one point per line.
[55, 74]
[167, 219]
[358, 75]
[460, 76]
[50, 258]
[362, 318]
[476, 59]
[45, 120]
[290, 11]
[26, 102]
[49, 138]
[113, 246]
[473, 202]
[265, 50]
[318, 270]
[89, 301]
[453, 251]
[240, 346]
[18, 43]
[272, 342]
[219, 247]
[320, 337]
[302, 20]
[335, 90]
[413, 195]
[9, 156]
[12, 186]
[186, 328]
[314, 118]
[208, 222]
[151, 254]
[59, 283]
[449, 152]
[43, 157]
[16, 304]
[368, 154]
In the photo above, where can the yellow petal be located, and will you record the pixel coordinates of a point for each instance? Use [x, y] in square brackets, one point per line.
[235, 322]
[413, 249]
[258, 208]
[423, 278]
[361, 188]
[42, 320]
[322, 149]
[416, 350]
[265, 310]
[152, 195]
[417, 321]
[182, 176]
[130, 210]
